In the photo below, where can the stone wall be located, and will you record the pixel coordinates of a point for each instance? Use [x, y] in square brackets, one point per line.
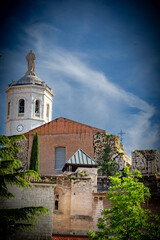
[61, 215]
[75, 203]
[145, 161]
[100, 202]
[23, 155]
[38, 195]
[117, 153]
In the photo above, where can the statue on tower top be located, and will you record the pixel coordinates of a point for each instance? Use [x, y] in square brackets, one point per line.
[31, 62]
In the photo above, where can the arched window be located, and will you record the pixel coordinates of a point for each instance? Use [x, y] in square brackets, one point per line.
[58, 199]
[56, 203]
[21, 105]
[47, 111]
[37, 106]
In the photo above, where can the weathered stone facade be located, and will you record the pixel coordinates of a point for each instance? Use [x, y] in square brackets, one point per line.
[75, 212]
[145, 161]
[79, 204]
[76, 202]
[117, 154]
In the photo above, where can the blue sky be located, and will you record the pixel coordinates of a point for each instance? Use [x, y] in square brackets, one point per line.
[101, 59]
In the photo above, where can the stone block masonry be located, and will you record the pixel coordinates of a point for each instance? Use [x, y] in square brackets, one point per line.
[38, 195]
[75, 202]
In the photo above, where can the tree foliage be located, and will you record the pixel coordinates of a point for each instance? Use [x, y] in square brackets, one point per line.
[11, 172]
[34, 159]
[126, 220]
[106, 166]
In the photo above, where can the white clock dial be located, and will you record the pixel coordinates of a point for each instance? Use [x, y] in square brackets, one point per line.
[20, 128]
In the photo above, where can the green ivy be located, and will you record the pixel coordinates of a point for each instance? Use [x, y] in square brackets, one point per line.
[107, 166]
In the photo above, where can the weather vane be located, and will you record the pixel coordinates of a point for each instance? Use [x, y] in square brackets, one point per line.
[121, 133]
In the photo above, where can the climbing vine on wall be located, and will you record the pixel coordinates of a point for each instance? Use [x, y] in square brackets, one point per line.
[106, 166]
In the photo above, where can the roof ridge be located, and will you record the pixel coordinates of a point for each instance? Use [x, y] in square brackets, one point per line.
[77, 122]
[83, 124]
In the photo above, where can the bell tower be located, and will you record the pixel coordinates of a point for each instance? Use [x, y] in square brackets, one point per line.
[29, 101]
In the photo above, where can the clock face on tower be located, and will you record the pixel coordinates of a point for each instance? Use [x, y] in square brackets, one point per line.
[20, 128]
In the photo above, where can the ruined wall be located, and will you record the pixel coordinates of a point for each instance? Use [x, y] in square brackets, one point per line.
[145, 161]
[38, 195]
[101, 141]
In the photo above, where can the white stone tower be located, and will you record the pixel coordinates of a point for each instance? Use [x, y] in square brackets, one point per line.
[29, 102]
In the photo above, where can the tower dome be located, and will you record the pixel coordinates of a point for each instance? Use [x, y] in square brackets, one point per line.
[29, 101]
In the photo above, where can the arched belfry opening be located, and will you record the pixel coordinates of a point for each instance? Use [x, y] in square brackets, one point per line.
[37, 106]
[21, 106]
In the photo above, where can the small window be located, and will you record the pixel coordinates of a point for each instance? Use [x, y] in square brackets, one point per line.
[47, 111]
[8, 111]
[56, 202]
[37, 106]
[60, 156]
[21, 105]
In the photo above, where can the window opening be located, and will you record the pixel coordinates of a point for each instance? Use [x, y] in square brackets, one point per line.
[9, 104]
[56, 201]
[56, 204]
[60, 156]
[21, 105]
[37, 106]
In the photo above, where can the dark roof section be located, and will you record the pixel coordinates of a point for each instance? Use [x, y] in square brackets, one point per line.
[29, 79]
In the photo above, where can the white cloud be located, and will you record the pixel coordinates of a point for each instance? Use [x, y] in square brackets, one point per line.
[104, 99]
[87, 95]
